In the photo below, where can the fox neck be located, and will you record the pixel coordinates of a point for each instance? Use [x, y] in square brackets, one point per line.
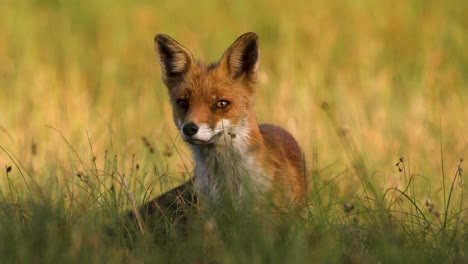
[231, 168]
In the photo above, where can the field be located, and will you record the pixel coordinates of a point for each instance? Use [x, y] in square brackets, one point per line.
[375, 92]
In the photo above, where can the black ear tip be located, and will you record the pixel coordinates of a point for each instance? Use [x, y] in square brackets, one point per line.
[250, 39]
[161, 38]
[250, 35]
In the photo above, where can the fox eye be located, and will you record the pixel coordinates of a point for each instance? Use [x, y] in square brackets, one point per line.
[182, 103]
[221, 104]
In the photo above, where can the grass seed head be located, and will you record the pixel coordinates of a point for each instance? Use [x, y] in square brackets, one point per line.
[348, 207]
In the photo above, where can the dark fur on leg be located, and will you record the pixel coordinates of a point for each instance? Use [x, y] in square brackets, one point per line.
[172, 208]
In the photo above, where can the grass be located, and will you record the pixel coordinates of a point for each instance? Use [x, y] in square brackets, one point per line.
[375, 93]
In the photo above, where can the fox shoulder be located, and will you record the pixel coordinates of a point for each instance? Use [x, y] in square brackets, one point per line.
[280, 141]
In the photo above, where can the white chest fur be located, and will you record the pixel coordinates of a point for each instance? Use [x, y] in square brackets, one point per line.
[229, 169]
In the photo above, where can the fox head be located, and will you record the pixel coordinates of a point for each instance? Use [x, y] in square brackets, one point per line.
[211, 103]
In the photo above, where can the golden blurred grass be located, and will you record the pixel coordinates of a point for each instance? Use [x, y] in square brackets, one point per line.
[79, 78]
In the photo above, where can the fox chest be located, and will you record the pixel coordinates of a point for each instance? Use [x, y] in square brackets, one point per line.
[229, 175]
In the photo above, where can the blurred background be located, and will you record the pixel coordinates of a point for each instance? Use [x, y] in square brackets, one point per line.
[80, 84]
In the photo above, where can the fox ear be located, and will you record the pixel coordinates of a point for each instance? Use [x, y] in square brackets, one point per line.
[242, 57]
[175, 59]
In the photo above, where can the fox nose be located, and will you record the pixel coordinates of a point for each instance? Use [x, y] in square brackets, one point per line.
[190, 129]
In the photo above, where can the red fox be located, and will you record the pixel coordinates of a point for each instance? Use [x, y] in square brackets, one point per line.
[213, 108]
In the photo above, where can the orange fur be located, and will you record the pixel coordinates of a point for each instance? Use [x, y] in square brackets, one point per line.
[213, 108]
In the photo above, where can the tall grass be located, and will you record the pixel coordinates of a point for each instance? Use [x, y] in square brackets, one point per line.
[375, 92]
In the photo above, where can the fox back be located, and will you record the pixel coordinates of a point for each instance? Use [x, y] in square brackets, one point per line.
[213, 108]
